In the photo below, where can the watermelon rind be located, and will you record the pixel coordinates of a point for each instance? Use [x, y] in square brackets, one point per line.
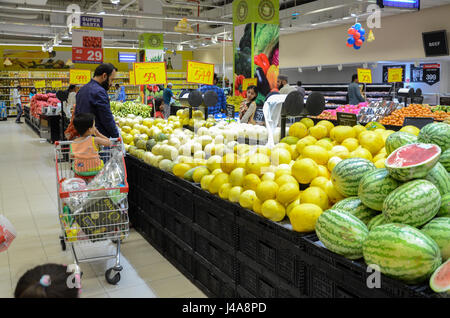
[342, 233]
[377, 220]
[440, 178]
[354, 206]
[417, 171]
[445, 159]
[441, 272]
[397, 140]
[375, 186]
[445, 205]
[439, 230]
[413, 203]
[402, 252]
[347, 174]
[436, 133]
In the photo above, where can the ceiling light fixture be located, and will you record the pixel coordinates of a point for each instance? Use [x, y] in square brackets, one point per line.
[115, 1]
[300, 70]
[179, 47]
[365, 65]
[214, 39]
[340, 67]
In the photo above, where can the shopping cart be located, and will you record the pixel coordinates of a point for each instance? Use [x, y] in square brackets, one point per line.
[93, 213]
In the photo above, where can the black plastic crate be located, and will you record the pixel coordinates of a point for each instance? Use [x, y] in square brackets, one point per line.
[179, 225]
[216, 216]
[179, 254]
[178, 198]
[152, 208]
[242, 293]
[218, 284]
[152, 232]
[214, 251]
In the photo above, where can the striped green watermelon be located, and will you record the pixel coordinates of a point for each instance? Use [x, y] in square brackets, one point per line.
[412, 161]
[413, 203]
[440, 178]
[397, 140]
[342, 233]
[445, 205]
[436, 133]
[439, 230]
[354, 206]
[402, 252]
[440, 280]
[445, 159]
[375, 186]
[347, 174]
[376, 221]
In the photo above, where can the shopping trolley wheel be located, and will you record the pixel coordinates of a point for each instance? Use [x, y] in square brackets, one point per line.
[114, 279]
[63, 244]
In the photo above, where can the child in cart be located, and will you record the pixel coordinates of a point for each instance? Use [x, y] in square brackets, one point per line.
[85, 149]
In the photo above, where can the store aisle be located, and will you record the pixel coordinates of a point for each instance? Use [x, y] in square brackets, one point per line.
[28, 199]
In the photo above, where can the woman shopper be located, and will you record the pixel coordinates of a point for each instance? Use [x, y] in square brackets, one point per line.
[17, 102]
[248, 107]
[32, 92]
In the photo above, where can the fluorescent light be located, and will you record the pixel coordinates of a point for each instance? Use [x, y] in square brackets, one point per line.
[179, 47]
[214, 39]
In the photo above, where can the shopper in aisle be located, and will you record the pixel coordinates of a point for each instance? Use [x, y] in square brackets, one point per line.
[17, 102]
[300, 89]
[283, 85]
[221, 105]
[362, 89]
[93, 98]
[32, 92]
[167, 97]
[47, 281]
[159, 108]
[248, 107]
[354, 92]
[120, 95]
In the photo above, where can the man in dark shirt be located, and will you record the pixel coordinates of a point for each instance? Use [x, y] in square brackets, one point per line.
[93, 98]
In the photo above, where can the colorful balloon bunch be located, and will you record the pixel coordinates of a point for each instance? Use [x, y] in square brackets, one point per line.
[356, 38]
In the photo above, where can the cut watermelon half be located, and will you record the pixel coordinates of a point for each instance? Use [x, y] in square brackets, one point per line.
[412, 161]
[440, 280]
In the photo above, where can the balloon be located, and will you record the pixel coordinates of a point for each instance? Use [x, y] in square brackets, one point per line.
[357, 36]
[362, 31]
[351, 41]
[362, 38]
[357, 26]
[351, 31]
[356, 47]
[349, 45]
[358, 43]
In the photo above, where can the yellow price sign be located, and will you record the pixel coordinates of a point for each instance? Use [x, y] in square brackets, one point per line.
[200, 73]
[39, 84]
[150, 73]
[56, 84]
[131, 75]
[395, 75]
[365, 75]
[249, 82]
[80, 76]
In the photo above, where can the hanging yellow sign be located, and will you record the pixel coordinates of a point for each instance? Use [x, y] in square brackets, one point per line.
[249, 82]
[150, 73]
[395, 75]
[365, 75]
[39, 84]
[56, 84]
[131, 75]
[200, 73]
[80, 76]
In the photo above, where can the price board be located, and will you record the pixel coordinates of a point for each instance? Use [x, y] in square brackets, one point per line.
[346, 119]
[230, 111]
[200, 73]
[39, 84]
[131, 75]
[87, 41]
[395, 75]
[150, 73]
[418, 122]
[249, 82]
[259, 115]
[365, 75]
[386, 69]
[80, 77]
[56, 84]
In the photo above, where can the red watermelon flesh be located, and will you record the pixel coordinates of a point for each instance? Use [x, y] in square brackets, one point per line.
[411, 155]
[440, 280]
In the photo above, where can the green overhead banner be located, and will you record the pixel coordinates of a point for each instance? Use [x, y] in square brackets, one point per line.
[152, 41]
[256, 11]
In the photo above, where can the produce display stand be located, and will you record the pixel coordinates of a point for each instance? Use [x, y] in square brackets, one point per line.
[50, 127]
[30, 120]
[229, 251]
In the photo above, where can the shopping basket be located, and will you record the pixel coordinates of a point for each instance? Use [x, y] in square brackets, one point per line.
[93, 206]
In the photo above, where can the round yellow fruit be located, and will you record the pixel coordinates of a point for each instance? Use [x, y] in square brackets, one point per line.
[280, 156]
[316, 153]
[339, 151]
[237, 177]
[294, 152]
[302, 143]
[251, 182]
[372, 142]
[234, 194]
[281, 170]
[213, 163]
[411, 129]
[358, 129]
[361, 152]
[324, 172]
[285, 178]
[206, 180]
[374, 125]
[379, 156]
[199, 174]
[380, 163]
[229, 162]
[267, 190]
[180, 169]
[327, 124]
[304, 217]
[268, 176]
[350, 143]
[315, 195]
[308, 122]
[247, 199]
[288, 192]
[333, 162]
[216, 172]
[320, 182]
[332, 194]
[217, 182]
[340, 133]
[257, 204]
[298, 130]
[263, 150]
[273, 210]
[319, 131]
[305, 170]
[291, 206]
[325, 144]
[256, 163]
[224, 190]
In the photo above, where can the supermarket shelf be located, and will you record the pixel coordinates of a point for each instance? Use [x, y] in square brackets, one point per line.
[19, 78]
[29, 86]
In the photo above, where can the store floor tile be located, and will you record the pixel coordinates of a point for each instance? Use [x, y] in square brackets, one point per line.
[28, 198]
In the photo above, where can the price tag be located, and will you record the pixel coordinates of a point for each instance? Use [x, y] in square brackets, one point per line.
[39, 84]
[200, 73]
[80, 76]
[346, 119]
[418, 122]
[259, 115]
[132, 81]
[230, 111]
[56, 84]
[395, 75]
[150, 73]
[365, 75]
[248, 82]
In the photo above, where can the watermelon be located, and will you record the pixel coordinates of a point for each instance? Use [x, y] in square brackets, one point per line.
[402, 252]
[439, 230]
[413, 203]
[354, 206]
[161, 137]
[397, 140]
[374, 187]
[436, 133]
[445, 159]
[440, 178]
[440, 280]
[341, 233]
[412, 161]
[445, 205]
[150, 144]
[347, 174]
[376, 221]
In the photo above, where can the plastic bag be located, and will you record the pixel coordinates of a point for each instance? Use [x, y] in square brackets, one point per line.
[75, 199]
[7, 233]
[272, 114]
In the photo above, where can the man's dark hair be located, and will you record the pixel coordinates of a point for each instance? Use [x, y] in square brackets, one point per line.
[82, 122]
[158, 102]
[354, 77]
[107, 68]
[72, 87]
[117, 85]
[299, 83]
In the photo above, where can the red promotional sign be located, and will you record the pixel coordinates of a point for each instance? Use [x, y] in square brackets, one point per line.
[87, 41]
[87, 55]
[428, 66]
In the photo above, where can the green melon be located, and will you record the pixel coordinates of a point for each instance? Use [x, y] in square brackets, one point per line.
[354, 206]
[412, 161]
[141, 144]
[440, 280]
[440, 178]
[161, 137]
[439, 230]
[150, 144]
[189, 174]
[347, 174]
[397, 140]
[436, 133]
[413, 203]
[377, 220]
[375, 186]
[341, 233]
[445, 205]
[290, 140]
[166, 165]
[402, 252]
[445, 159]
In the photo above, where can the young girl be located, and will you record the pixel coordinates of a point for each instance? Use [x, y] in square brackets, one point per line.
[85, 149]
[248, 107]
[47, 281]
[159, 107]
